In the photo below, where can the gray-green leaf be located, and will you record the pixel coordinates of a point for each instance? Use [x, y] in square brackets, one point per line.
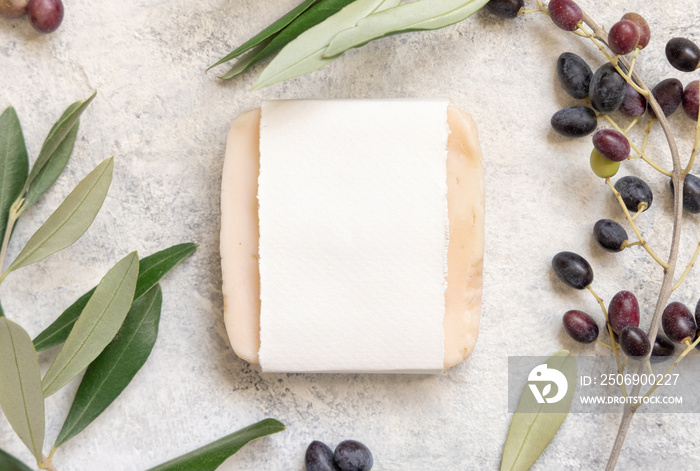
[115, 367]
[268, 32]
[21, 397]
[70, 220]
[56, 136]
[10, 463]
[305, 53]
[313, 16]
[531, 432]
[56, 162]
[151, 270]
[210, 457]
[14, 164]
[98, 324]
[418, 15]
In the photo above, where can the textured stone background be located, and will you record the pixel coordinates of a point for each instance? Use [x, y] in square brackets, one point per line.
[165, 122]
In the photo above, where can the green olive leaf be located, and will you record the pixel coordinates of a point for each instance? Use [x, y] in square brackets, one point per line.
[530, 432]
[417, 15]
[57, 160]
[21, 396]
[98, 324]
[56, 136]
[210, 457]
[14, 164]
[313, 16]
[112, 371]
[247, 60]
[151, 270]
[10, 463]
[305, 53]
[268, 32]
[70, 220]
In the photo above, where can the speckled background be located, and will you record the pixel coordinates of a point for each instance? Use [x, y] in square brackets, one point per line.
[165, 122]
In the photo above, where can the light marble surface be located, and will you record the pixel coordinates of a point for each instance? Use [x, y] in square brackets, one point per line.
[165, 122]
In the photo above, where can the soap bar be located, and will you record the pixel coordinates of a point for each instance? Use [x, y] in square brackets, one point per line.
[239, 242]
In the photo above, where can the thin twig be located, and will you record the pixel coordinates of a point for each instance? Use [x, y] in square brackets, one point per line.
[667, 284]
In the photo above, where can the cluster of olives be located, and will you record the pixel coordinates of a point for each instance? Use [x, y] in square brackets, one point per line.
[349, 455]
[623, 315]
[44, 15]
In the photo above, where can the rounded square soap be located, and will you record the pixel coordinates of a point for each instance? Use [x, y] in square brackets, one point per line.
[352, 236]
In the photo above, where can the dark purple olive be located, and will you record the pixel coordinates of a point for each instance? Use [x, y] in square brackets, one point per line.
[572, 269]
[669, 94]
[634, 342]
[607, 89]
[574, 74]
[45, 15]
[683, 54]
[612, 144]
[697, 313]
[634, 192]
[580, 326]
[508, 9]
[678, 322]
[691, 100]
[351, 455]
[663, 349]
[644, 31]
[623, 310]
[691, 193]
[574, 121]
[610, 235]
[633, 103]
[319, 457]
[13, 8]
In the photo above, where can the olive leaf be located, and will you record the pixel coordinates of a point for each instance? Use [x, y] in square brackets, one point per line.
[417, 15]
[305, 53]
[313, 16]
[10, 463]
[210, 457]
[56, 137]
[530, 432]
[14, 164]
[58, 159]
[151, 270]
[21, 397]
[112, 371]
[268, 32]
[70, 220]
[98, 324]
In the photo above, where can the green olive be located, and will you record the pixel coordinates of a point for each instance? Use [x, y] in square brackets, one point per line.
[603, 167]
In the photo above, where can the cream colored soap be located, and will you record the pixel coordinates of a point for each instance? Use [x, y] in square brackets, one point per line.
[239, 237]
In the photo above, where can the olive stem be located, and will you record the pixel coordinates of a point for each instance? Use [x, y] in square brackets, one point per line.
[688, 348]
[634, 60]
[46, 463]
[651, 370]
[631, 219]
[614, 346]
[631, 244]
[667, 283]
[687, 268]
[603, 344]
[629, 128]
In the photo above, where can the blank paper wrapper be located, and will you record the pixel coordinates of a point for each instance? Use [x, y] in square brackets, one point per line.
[352, 236]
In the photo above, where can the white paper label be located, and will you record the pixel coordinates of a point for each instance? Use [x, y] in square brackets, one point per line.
[353, 235]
